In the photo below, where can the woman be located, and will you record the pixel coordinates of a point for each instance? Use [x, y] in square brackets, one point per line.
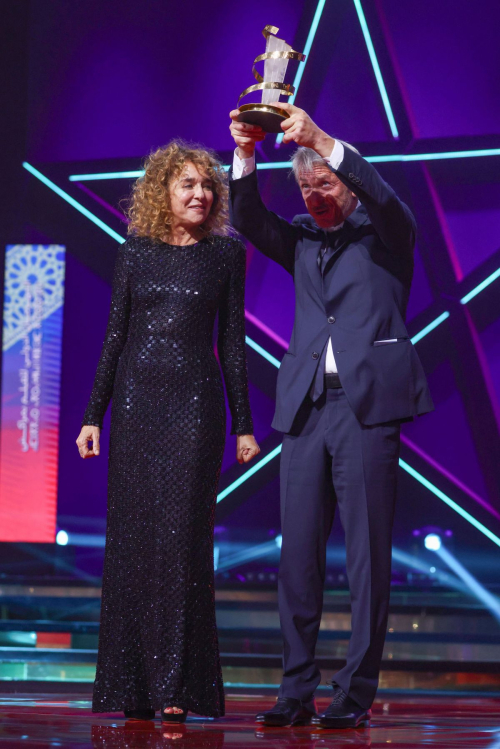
[158, 647]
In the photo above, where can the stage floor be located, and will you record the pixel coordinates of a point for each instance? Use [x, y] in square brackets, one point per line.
[43, 721]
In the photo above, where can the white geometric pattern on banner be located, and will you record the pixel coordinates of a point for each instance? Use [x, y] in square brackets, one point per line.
[30, 264]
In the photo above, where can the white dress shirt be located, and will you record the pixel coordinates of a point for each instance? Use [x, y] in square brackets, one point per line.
[243, 167]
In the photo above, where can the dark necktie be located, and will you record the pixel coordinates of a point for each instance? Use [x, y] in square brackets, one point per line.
[332, 242]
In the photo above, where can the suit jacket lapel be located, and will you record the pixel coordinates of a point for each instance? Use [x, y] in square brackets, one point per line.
[311, 261]
[351, 228]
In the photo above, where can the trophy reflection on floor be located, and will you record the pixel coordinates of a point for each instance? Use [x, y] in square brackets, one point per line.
[268, 114]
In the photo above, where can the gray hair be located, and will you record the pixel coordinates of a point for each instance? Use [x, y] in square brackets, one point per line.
[303, 159]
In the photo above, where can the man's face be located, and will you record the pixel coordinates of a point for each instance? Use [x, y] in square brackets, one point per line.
[327, 199]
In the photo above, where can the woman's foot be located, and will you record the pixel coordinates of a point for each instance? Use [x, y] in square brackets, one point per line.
[173, 714]
[144, 714]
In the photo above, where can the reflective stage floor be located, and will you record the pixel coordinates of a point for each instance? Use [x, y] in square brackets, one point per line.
[67, 721]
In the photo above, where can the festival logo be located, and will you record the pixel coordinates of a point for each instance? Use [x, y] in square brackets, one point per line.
[31, 369]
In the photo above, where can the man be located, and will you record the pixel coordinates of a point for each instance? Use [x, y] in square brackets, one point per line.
[349, 378]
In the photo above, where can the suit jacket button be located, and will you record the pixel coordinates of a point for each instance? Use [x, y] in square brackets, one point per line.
[315, 355]
[351, 175]
[331, 319]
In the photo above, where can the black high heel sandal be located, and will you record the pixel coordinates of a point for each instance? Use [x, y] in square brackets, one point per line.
[173, 717]
[139, 714]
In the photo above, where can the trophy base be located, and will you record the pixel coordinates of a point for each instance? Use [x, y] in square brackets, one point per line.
[266, 116]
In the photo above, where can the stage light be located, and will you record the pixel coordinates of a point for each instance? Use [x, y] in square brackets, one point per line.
[239, 481]
[279, 540]
[432, 542]
[265, 329]
[90, 540]
[62, 538]
[79, 207]
[274, 165]
[477, 289]
[404, 158]
[247, 554]
[437, 156]
[134, 174]
[431, 326]
[414, 563]
[444, 472]
[447, 500]
[306, 51]
[474, 586]
[262, 351]
[390, 158]
[376, 68]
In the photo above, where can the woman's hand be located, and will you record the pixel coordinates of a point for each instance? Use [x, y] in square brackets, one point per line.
[88, 434]
[245, 135]
[246, 448]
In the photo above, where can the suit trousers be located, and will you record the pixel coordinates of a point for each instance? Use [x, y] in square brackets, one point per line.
[330, 459]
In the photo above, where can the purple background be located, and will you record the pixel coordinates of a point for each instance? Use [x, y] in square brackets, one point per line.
[96, 85]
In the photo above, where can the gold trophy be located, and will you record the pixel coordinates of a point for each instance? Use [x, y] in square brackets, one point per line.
[268, 115]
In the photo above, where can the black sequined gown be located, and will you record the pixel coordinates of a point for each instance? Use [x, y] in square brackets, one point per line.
[158, 639]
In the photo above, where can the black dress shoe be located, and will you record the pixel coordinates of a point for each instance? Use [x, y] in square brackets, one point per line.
[288, 712]
[144, 714]
[343, 712]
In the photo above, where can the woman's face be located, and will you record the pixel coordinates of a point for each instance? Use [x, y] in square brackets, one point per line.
[191, 196]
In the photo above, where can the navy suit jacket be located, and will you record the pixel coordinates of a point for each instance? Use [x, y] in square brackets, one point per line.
[365, 289]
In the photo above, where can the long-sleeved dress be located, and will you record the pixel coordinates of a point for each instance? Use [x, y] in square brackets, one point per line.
[158, 640]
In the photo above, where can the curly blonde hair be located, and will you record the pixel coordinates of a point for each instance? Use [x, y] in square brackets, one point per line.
[149, 210]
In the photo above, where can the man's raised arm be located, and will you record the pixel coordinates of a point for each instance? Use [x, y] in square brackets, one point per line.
[272, 235]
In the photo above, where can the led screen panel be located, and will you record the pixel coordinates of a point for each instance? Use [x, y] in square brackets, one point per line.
[31, 370]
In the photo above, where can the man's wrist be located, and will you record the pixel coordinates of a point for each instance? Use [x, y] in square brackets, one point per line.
[244, 154]
[324, 145]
